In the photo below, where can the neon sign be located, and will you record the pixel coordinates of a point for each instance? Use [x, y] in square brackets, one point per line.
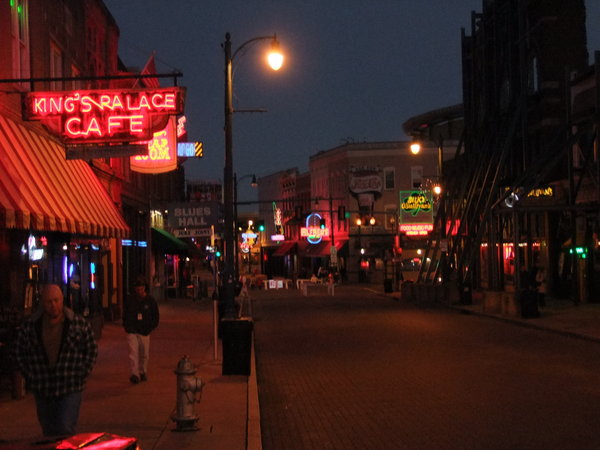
[313, 232]
[248, 241]
[416, 229]
[416, 212]
[415, 203]
[104, 115]
[162, 152]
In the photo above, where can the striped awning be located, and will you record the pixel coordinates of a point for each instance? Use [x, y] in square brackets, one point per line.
[41, 190]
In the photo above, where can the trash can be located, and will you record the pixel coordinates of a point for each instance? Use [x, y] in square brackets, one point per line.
[387, 285]
[237, 346]
[529, 304]
[465, 294]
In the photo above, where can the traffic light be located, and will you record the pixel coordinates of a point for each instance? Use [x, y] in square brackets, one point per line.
[260, 225]
[217, 252]
[322, 223]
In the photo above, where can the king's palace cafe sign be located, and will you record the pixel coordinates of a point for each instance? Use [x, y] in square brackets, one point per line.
[104, 116]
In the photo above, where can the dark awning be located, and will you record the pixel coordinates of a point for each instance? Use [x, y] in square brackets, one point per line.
[165, 241]
[285, 248]
[320, 250]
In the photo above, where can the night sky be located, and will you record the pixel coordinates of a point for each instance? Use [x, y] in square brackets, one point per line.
[354, 70]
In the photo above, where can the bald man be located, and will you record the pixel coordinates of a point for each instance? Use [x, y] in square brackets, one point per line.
[55, 351]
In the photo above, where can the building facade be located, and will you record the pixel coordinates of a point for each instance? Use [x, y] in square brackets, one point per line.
[83, 223]
[344, 184]
[521, 181]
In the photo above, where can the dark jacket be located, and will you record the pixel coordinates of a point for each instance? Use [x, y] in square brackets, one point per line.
[76, 357]
[140, 315]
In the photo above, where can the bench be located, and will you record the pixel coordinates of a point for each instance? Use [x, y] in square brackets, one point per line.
[310, 285]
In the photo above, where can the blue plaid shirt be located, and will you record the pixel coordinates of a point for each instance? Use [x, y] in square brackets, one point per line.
[77, 355]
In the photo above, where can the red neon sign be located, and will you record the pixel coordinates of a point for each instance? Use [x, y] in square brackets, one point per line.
[100, 116]
[416, 229]
[162, 152]
[314, 232]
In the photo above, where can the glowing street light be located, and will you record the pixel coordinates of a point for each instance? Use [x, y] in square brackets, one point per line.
[275, 57]
[415, 148]
[228, 180]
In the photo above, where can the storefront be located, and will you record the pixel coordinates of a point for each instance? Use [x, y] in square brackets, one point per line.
[171, 270]
[57, 224]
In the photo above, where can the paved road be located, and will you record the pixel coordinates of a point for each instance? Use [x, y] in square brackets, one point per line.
[361, 371]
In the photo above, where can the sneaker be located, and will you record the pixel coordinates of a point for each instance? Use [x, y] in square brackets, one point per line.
[143, 377]
[134, 379]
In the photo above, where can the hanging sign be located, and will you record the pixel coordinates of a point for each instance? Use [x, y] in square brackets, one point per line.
[416, 212]
[104, 115]
[193, 219]
[313, 231]
[162, 152]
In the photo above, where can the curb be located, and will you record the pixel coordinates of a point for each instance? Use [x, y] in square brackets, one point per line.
[253, 431]
[526, 324]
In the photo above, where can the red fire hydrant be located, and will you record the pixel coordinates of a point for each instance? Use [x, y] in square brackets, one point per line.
[188, 386]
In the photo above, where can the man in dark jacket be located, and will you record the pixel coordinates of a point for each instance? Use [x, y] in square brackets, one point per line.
[140, 318]
[55, 351]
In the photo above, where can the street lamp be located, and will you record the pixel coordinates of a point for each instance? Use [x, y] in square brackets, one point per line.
[253, 183]
[228, 201]
[415, 148]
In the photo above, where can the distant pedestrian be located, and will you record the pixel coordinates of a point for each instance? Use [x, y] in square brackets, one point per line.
[140, 318]
[55, 351]
[244, 296]
[541, 286]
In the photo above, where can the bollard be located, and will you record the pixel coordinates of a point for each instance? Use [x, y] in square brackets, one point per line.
[187, 387]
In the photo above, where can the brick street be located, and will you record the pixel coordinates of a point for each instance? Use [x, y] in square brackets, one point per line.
[361, 371]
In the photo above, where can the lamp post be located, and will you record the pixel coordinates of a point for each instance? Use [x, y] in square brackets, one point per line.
[415, 148]
[275, 60]
[253, 183]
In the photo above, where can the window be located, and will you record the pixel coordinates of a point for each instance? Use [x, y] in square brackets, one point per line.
[389, 174]
[76, 84]
[416, 177]
[56, 66]
[20, 39]
[391, 217]
[68, 21]
[533, 80]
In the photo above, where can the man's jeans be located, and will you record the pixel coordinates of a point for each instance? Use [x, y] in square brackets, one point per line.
[139, 351]
[58, 415]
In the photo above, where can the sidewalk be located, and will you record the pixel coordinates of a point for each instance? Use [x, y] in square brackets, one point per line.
[228, 410]
[558, 316]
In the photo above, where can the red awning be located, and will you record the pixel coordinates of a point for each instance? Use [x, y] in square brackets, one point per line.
[320, 250]
[41, 190]
[285, 248]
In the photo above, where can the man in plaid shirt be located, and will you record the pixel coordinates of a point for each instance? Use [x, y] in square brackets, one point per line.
[55, 351]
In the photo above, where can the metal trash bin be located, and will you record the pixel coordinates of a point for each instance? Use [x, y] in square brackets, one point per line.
[465, 293]
[237, 345]
[388, 285]
[529, 304]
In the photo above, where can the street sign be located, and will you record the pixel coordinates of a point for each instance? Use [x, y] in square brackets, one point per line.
[191, 232]
[333, 255]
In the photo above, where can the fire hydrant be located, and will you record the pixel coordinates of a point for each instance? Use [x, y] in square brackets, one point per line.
[188, 386]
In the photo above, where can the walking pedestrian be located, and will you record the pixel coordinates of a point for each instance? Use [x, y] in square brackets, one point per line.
[140, 318]
[541, 286]
[244, 295]
[55, 351]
